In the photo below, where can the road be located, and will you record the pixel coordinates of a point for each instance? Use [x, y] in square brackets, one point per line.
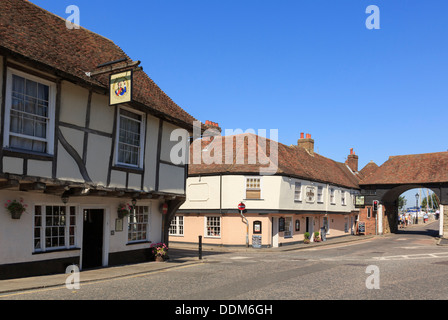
[402, 266]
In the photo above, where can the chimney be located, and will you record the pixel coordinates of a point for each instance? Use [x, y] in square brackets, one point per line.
[352, 161]
[306, 143]
[212, 129]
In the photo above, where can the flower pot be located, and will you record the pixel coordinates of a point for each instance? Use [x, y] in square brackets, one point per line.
[16, 214]
[159, 259]
[122, 214]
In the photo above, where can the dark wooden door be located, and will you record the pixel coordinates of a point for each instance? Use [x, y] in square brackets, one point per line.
[92, 240]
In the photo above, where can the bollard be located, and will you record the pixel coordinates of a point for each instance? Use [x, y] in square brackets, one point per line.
[200, 247]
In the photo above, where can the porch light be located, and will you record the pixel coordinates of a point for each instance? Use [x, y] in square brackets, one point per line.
[64, 198]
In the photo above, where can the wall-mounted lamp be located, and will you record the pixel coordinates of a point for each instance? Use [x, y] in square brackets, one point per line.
[134, 202]
[64, 198]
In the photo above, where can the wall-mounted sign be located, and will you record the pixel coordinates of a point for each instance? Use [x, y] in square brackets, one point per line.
[120, 87]
[359, 202]
[310, 194]
[257, 226]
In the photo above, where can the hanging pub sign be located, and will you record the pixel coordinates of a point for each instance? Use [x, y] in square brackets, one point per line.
[359, 202]
[120, 86]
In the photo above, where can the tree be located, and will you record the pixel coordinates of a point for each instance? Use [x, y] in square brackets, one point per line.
[401, 202]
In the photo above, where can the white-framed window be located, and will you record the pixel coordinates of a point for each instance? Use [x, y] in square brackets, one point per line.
[297, 191]
[130, 133]
[138, 224]
[29, 113]
[54, 227]
[177, 226]
[332, 197]
[253, 188]
[320, 194]
[213, 226]
[343, 198]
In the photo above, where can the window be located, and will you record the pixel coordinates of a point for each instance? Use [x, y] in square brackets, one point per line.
[253, 188]
[320, 194]
[29, 113]
[298, 191]
[369, 212]
[138, 224]
[343, 197]
[213, 226]
[177, 226]
[332, 196]
[288, 227]
[54, 227]
[130, 141]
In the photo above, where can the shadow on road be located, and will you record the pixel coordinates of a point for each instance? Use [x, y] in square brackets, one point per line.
[424, 229]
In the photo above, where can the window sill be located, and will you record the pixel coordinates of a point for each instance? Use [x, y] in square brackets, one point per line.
[253, 199]
[131, 169]
[56, 250]
[12, 152]
[138, 242]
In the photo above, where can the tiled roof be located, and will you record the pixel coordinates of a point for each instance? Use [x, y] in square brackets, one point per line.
[292, 161]
[368, 170]
[31, 32]
[414, 168]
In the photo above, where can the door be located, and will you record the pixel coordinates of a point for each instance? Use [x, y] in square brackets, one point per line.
[92, 239]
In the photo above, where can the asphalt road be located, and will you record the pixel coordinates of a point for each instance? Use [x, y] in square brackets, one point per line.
[405, 266]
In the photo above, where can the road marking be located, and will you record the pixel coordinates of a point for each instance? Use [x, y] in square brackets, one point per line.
[413, 256]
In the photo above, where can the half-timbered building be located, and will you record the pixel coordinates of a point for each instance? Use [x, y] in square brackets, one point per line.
[72, 158]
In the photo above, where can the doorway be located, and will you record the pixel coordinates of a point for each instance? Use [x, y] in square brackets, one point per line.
[92, 238]
[309, 226]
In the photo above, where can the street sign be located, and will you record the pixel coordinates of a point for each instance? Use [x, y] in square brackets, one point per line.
[241, 206]
[165, 208]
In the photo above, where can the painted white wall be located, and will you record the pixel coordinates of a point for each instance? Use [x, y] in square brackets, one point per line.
[277, 193]
[74, 101]
[17, 236]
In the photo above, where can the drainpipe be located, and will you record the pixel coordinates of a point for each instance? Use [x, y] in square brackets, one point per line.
[220, 194]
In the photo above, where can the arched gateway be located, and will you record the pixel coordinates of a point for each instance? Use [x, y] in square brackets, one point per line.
[402, 173]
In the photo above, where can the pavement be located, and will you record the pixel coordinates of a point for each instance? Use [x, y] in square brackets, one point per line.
[180, 255]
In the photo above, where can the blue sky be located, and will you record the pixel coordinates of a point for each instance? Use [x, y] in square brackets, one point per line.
[307, 66]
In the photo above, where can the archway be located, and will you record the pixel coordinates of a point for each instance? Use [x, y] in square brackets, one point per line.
[390, 201]
[402, 173]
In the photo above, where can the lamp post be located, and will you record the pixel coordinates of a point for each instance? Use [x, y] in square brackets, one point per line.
[416, 208]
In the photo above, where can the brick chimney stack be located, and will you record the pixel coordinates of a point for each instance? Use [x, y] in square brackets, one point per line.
[352, 161]
[212, 129]
[306, 143]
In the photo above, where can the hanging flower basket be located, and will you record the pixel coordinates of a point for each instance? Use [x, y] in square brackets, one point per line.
[123, 210]
[15, 208]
